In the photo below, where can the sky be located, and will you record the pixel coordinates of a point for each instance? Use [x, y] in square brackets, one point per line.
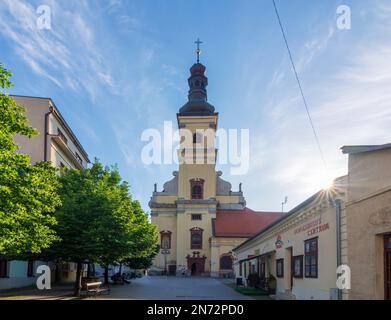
[115, 68]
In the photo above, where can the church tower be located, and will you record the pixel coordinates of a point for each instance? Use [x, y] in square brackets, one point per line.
[199, 218]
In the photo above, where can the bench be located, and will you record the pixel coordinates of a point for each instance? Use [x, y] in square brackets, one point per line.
[93, 288]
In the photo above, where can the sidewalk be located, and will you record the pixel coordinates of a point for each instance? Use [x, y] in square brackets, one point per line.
[58, 292]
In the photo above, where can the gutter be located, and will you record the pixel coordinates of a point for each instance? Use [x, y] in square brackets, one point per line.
[338, 236]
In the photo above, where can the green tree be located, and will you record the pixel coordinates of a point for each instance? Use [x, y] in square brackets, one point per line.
[98, 222]
[28, 195]
[142, 262]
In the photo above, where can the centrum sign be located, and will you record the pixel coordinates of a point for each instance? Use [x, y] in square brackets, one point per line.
[313, 227]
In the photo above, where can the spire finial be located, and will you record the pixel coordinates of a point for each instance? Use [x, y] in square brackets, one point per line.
[198, 42]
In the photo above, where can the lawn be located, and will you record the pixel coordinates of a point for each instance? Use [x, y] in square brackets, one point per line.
[251, 291]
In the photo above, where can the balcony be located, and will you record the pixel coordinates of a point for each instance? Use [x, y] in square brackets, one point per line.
[76, 160]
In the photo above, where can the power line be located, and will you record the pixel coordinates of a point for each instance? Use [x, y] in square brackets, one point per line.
[299, 84]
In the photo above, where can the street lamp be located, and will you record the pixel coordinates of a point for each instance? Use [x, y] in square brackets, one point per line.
[165, 252]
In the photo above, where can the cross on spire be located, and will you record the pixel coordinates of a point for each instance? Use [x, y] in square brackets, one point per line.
[198, 42]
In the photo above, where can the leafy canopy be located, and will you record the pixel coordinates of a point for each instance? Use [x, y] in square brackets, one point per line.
[98, 221]
[28, 195]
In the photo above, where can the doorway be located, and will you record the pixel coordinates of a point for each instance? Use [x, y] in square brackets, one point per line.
[172, 270]
[387, 266]
[196, 265]
[197, 268]
[194, 269]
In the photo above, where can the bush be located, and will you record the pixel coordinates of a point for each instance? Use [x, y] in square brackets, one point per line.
[272, 284]
[253, 280]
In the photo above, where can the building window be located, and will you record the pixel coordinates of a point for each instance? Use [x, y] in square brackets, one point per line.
[30, 268]
[62, 136]
[280, 268]
[263, 270]
[79, 159]
[197, 189]
[311, 258]
[196, 238]
[3, 268]
[240, 269]
[196, 217]
[226, 262]
[197, 138]
[165, 240]
[297, 266]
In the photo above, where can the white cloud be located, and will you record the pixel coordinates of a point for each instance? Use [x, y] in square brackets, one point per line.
[67, 54]
[350, 104]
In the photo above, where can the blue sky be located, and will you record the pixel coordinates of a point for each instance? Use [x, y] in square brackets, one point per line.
[115, 68]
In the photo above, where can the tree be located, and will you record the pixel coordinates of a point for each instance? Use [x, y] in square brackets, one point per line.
[28, 195]
[145, 246]
[98, 222]
[141, 263]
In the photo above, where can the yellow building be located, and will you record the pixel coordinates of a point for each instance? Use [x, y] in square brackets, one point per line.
[368, 216]
[302, 250]
[199, 217]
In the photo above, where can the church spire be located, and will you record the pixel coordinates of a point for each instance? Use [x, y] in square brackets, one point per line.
[198, 97]
[198, 51]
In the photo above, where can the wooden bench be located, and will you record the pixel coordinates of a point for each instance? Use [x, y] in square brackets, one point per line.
[93, 288]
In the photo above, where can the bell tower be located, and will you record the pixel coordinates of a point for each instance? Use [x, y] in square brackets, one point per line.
[197, 121]
[188, 209]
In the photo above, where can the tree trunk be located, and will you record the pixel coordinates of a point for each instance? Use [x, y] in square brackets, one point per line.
[120, 268]
[89, 270]
[78, 279]
[57, 277]
[106, 275]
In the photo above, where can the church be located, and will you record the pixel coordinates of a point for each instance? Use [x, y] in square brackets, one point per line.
[199, 217]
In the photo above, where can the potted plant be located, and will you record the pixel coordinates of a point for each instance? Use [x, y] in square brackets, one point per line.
[253, 280]
[272, 284]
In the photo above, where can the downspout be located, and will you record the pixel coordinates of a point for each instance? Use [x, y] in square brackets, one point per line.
[338, 227]
[45, 147]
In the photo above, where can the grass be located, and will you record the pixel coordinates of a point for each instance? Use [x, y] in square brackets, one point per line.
[251, 291]
[256, 294]
[13, 298]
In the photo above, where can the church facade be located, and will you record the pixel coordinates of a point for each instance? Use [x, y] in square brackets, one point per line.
[199, 217]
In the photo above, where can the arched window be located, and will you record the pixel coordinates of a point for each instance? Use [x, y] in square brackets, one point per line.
[226, 262]
[197, 138]
[165, 240]
[196, 238]
[197, 189]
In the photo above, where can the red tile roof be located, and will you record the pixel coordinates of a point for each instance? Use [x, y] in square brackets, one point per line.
[242, 223]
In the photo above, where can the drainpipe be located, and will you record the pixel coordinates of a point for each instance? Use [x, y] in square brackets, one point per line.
[45, 147]
[338, 227]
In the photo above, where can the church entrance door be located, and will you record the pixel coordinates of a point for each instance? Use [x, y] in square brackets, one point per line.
[196, 265]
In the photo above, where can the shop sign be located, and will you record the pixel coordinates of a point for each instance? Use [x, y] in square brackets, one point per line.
[279, 242]
[313, 227]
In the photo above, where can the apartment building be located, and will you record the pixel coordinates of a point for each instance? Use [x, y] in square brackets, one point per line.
[57, 143]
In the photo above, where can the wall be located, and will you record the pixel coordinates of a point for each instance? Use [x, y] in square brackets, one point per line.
[219, 247]
[36, 110]
[368, 220]
[292, 238]
[368, 216]
[18, 275]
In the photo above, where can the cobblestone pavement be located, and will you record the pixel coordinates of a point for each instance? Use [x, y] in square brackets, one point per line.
[176, 288]
[146, 288]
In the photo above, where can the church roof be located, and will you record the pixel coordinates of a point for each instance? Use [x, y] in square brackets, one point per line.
[242, 223]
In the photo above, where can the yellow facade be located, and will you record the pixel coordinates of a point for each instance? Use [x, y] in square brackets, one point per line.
[173, 209]
[368, 221]
[314, 220]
